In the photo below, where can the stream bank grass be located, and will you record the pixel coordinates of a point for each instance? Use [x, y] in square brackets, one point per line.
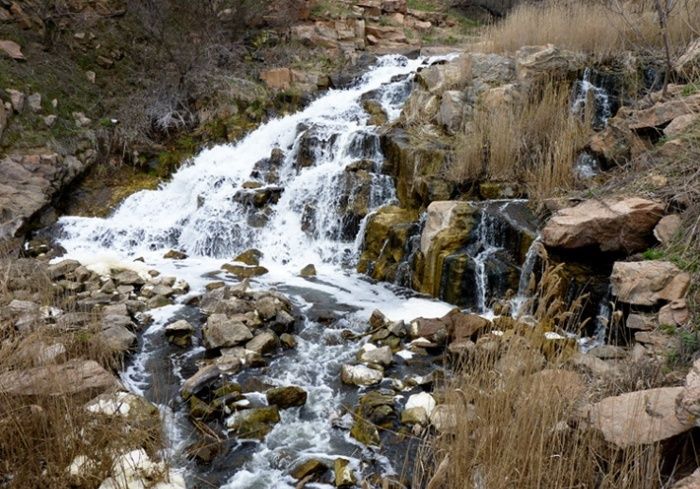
[519, 428]
[604, 27]
[533, 139]
[42, 434]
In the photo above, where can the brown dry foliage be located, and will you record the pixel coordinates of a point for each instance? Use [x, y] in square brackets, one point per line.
[600, 27]
[41, 435]
[534, 140]
[520, 429]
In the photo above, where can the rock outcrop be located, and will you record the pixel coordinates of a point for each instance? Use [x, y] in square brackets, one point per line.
[640, 418]
[28, 183]
[646, 283]
[611, 225]
[73, 377]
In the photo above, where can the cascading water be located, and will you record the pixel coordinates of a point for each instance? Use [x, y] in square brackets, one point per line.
[493, 233]
[289, 189]
[592, 100]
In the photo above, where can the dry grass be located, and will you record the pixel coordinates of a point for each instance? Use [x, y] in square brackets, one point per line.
[41, 435]
[535, 139]
[603, 27]
[518, 428]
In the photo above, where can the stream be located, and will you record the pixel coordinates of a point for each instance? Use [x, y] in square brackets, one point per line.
[200, 212]
[205, 211]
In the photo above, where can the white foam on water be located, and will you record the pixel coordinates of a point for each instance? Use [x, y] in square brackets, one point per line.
[198, 212]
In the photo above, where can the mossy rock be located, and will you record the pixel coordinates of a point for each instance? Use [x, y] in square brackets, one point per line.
[386, 234]
[409, 157]
[241, 272]
[448, 241]
[254, 423]
[286, 397]
[199, 409]
[250, 257]
[312, 467]
[365, 432]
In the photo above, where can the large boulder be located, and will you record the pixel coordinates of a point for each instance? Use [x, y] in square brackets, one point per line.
[662, 113]
[639, 418]
[28, 183]
[448, 76]
[446, 230]
[610, 225]
[451, 113]
[384, 247]
[647, 283]
[73, 377]
[409, 158]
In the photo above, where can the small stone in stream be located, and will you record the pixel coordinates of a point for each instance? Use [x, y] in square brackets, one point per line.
[398, 329]
[203, 452]
[286, 397]
[254, 423]
[380, 335]
[415, 415]
[434, 330]
[128, 277]
[154, 273]
[175, 255]
[344, 475]
[264, 343]
[308, 271]
[360, 375]
[364, 431]
[202, 379]
[158, 301]
[221, 332]
[239, 356]
[377, 406]
[250, 257]
[312, 467]
[240, 271]
[269, 306]
[284, 320]
[215, 285]
[372, 355]
[199, 409]
[377, 319]
[288, 341]
[180, 333]
[423, 400]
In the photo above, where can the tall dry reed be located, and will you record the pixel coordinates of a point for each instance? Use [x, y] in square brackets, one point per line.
[534, 140]
[603, 27]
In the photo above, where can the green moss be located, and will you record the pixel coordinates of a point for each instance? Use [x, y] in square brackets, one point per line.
[653, 254]
[690, 89]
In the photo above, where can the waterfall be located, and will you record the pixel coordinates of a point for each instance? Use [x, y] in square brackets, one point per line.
[520, 304]
[602, 323]
[488, 243]
[592, 99]
[298, 188]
